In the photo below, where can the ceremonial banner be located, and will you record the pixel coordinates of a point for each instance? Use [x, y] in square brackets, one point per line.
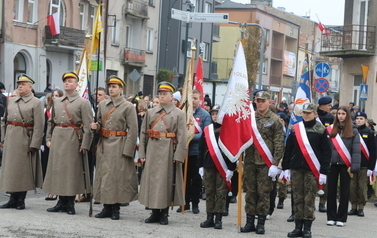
[235, 112]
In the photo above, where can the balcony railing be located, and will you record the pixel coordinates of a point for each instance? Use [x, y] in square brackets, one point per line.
[134, 56]
[349, 41]
[277, 53]
[68, 36]
[137, 9]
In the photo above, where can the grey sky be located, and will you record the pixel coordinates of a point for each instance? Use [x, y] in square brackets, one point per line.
[330, 12]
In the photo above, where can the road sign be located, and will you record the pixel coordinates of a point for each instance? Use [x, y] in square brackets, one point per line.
[209, 17]
[321, 85]
[322, 70]
[180, 15]
[199, 17]
[363, 92]
[134, 75]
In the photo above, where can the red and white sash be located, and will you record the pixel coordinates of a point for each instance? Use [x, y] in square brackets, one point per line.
[198, 129]
[364, 148]
[340, 147]
[215, 153]
[306, 149]
[259, 143]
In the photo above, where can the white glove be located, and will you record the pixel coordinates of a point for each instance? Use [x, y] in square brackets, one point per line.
[229, 175]
[273, 171]
[287, 175]
[201, 172]
[322, 179]
[42, 148]
[369, 173]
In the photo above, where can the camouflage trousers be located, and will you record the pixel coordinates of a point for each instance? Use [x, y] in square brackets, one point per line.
[216, 190]
[304, 186]
[358, 189]
[258, 187]
[282, 190]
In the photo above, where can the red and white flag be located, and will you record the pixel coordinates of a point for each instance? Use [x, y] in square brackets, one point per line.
[53, 23]
[198, 82]
[235, 112]
[322, 28]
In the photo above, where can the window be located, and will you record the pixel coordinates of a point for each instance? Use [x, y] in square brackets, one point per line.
[196, 5]
[150, 39]
[190, 43]
[58, 6]
[92, 14]
[18, 6]
[115, 32]
[128, 36]
[32, 6]
[264, 67]
[204, 48]
[208, 7]
[151, 3]
[82, 16]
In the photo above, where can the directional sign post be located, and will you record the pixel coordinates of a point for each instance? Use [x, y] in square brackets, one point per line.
[199, 17]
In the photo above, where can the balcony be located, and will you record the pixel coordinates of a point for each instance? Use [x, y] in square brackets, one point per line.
[277, 53]
[67, 37]
[349, 41]
[134, 57]
[137, 9]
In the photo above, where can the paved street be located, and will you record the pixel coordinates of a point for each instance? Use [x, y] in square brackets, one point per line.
[34, 221]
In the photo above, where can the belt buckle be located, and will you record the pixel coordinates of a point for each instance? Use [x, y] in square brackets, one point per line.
[105, 133]
[156, 134]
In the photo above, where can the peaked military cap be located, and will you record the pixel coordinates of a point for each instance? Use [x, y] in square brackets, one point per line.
[166, 86]
[309, 107]
[262, 95]
[25, 78]
[113, 79]
[361, 114]
[70, 75]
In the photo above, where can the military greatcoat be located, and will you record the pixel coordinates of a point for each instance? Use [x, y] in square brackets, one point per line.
[22, 171]
[64, 175]
[115, 178]
[157, 178]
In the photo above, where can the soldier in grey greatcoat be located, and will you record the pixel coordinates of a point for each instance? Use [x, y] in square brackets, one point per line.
[69, 137]
[162, 147]
[115, 179]
[22, 132]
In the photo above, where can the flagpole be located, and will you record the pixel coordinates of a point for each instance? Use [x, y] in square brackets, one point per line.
[98, 64]
[239, 195]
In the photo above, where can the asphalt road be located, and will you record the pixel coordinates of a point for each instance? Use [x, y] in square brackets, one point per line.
[34, 221]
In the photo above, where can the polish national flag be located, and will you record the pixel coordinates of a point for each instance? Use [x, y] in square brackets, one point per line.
[235, 112]
[198, 83]
[322, 28]
[53, 23]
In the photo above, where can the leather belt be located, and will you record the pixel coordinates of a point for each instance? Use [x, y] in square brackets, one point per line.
[156, 134]
[67, 125]
[106, 133]
[14, 123]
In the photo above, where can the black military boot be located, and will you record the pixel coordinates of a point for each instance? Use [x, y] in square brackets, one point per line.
[21, 200]
[307, 229]
[260, 225]
[164, 216]
[209, 222]
[226, 212]
[12, 203]
[115, 212]
[60, 206]
[322, 208]
[71, 205]
[249, 226]
[353, 211]
[280, 203]
[154, 217]
[297, 232]
[195, 208]
[218, 222]
[106, 211]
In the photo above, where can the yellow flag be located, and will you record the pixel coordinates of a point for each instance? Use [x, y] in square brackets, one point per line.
[97, 29]
[187, 99]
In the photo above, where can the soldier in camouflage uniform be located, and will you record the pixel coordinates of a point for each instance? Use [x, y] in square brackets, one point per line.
[215, 186]
[257, 173]
[296, 168]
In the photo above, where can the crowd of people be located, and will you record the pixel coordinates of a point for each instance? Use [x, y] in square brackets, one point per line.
[91, 151]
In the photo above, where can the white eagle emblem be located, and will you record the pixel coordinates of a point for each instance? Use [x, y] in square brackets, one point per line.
[237, 103]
